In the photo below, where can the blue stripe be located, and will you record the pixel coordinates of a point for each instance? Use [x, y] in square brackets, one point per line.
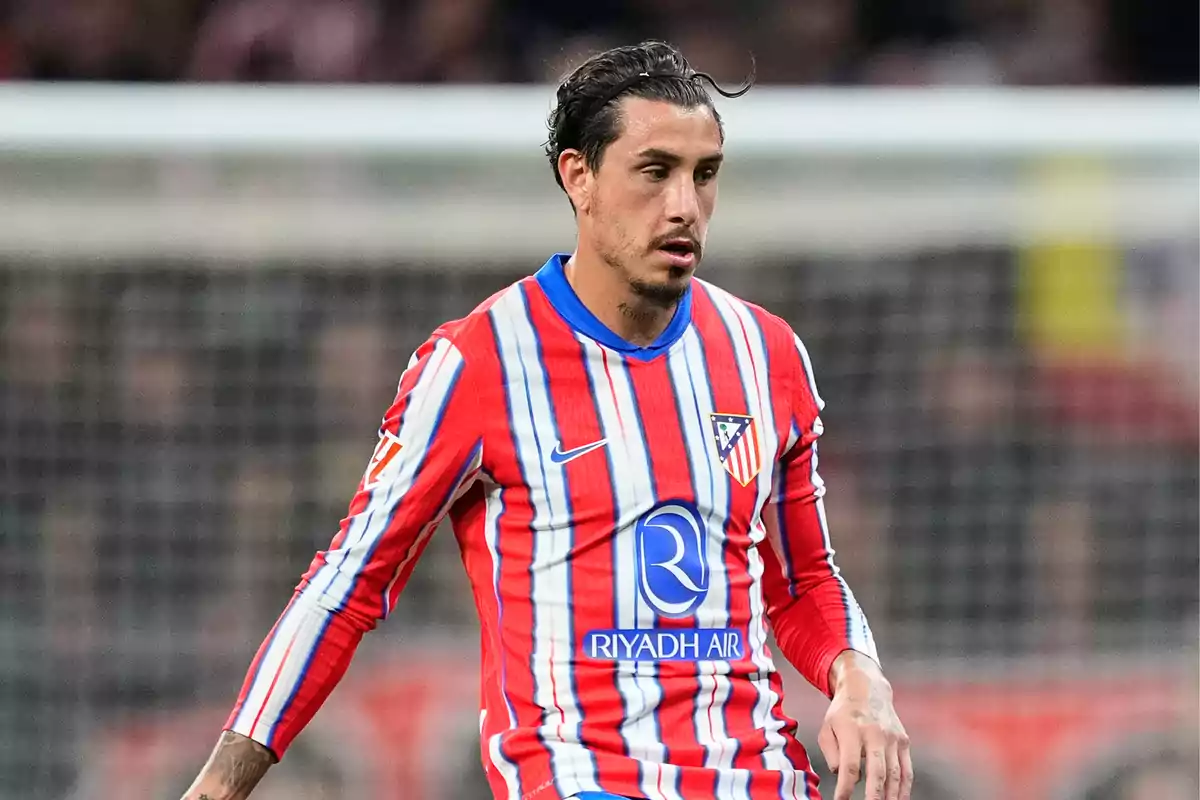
[729, 479]
[287, 705]
[510, 415]
[570, 515]
[819, 510]
[443, 507]
[347, 545]
[641, 432]
[497, 571]
[266, 649]
[395, 505]
[712, 400]
[787, 551]
[612, 490]
[785, 542]
[692, 481]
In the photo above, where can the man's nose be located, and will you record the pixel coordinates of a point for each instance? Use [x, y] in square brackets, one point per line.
[683, 202]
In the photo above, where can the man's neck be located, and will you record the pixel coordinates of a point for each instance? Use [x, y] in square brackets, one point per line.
[604, 293]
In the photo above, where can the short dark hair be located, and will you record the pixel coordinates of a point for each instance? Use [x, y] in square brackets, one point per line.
[585, 117]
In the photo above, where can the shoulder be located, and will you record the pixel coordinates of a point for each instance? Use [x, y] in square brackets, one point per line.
[778, 336]
[783, 346]
[475, 332]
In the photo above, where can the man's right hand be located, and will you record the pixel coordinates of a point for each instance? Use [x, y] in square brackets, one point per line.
[235, 767]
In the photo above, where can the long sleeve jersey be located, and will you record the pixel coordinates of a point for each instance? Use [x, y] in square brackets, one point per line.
[633, 520]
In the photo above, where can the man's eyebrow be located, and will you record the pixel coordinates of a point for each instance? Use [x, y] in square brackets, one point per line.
[667, 157]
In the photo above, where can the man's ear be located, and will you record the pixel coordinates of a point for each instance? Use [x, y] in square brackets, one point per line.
[577, 177]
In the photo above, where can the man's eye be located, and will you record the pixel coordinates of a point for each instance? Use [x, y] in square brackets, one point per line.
[656, 173]
[705, 175]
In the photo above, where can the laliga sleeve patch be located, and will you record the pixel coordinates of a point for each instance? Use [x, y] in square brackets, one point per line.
[382, 460]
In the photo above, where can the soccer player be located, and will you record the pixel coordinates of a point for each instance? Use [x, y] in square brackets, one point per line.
[628, 455]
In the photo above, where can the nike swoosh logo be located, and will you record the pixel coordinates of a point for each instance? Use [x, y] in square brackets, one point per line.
[560, 456]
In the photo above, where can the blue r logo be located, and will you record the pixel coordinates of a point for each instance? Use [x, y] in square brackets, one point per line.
[672, 563]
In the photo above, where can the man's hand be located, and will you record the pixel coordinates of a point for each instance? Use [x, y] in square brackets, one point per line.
[861, 721]
[236, 766]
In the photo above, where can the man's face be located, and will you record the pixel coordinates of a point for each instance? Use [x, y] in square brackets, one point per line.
[649, 203]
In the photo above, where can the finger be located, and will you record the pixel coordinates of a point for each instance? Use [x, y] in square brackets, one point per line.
[876, 773]
[829, 747]
[906, 768]
[891, 791]
[849, 768]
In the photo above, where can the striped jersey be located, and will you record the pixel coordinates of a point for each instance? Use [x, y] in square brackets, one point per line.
[633, 520]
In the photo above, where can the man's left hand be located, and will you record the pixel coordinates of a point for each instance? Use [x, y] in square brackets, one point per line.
[862, 723]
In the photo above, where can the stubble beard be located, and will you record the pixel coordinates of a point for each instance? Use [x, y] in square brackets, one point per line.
[664, 295]
[653, 294]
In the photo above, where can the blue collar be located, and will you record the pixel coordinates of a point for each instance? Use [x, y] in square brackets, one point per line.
[553, 280]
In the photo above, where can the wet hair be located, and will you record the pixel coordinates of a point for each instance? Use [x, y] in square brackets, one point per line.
[586, 116]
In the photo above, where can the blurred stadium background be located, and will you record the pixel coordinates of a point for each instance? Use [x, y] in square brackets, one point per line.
[981, 215]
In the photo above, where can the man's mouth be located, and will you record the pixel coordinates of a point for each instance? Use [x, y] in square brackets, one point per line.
[680, 252]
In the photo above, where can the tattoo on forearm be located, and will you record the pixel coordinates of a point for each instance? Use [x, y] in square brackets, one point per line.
[240, 763]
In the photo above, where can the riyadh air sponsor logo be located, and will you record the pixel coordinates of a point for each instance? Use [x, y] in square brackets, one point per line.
[661, 644]
[671, 548]
[672, 563]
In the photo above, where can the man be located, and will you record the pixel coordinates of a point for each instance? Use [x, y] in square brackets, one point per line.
[629, 460]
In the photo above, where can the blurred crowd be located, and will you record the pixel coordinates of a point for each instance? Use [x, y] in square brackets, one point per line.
[873, 42]
[176, 442]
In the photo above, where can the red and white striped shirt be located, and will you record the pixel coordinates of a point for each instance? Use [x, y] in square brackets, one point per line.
[631, 520]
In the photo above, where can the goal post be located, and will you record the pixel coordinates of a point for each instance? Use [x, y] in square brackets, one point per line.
[208, 293]
[452, 175]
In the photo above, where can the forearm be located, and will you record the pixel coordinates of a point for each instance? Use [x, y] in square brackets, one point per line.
[818, 626]
[295, 670]
[235, 767]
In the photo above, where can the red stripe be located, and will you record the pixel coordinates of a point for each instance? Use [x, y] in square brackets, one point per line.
[589, 486]
[728, 398]
[514, 545]
[654, 393]
[750, 351]
[274, 680]
[251, 679]
[612, 389]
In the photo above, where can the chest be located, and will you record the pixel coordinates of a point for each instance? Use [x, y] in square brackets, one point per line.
[586, 438]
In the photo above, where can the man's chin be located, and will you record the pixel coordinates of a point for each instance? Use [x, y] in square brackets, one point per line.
[666, 292]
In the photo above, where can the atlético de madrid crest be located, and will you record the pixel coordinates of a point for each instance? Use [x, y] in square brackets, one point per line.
[738, 448]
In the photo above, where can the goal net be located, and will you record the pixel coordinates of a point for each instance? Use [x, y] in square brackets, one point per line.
[207, 296]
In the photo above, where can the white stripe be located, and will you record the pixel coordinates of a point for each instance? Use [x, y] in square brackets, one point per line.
[635, 680]
[494, 505]
[860, 631]
[335, 580]
[624, 580]
[534, 434]
[326, 592]
[808, 373]
[469, 474]
[753, 367]
[716, 686]
[285, 631]
[691, 387]
[298, 633]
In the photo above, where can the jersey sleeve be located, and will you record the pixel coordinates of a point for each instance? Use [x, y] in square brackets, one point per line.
[428, 454]
[810, 607]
